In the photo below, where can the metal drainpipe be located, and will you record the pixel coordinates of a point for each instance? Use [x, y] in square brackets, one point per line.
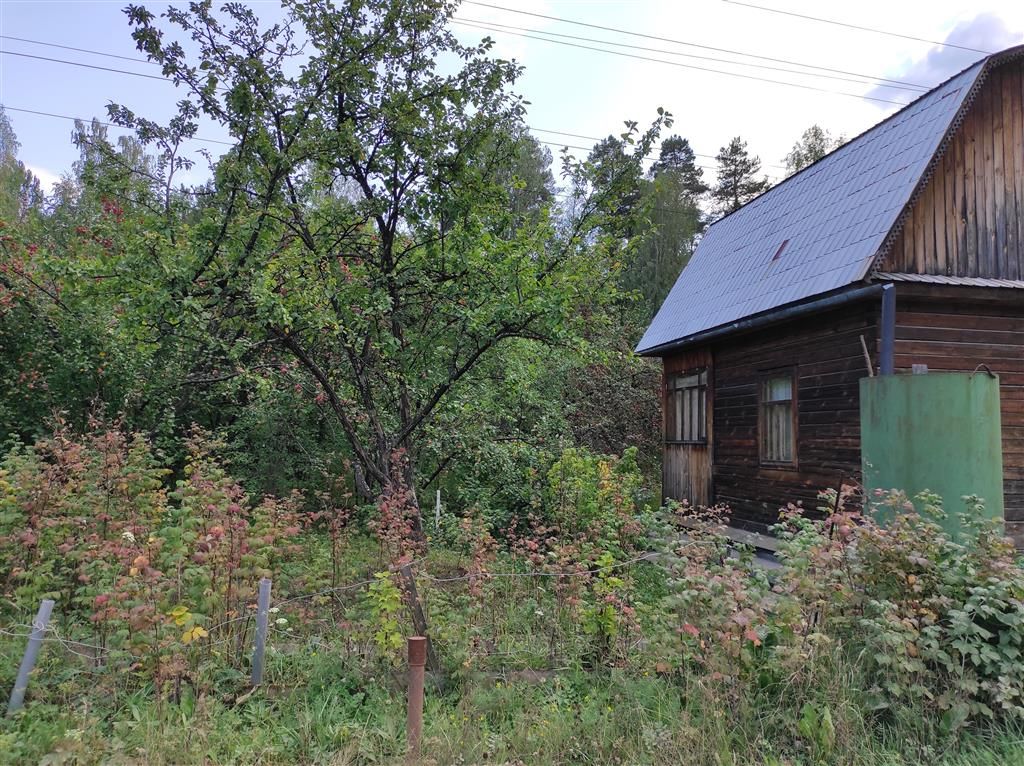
[887, 350]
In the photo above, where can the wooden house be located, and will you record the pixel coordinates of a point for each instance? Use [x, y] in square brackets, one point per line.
[786, 301]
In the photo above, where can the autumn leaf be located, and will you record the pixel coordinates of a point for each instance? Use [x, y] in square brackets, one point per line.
[194, 634]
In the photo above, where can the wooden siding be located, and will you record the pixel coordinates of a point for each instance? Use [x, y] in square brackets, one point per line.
[969, 218]
[957, 329]
[686, 468]
[826, 356]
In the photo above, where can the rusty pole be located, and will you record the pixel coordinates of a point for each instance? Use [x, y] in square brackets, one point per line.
[414, 721]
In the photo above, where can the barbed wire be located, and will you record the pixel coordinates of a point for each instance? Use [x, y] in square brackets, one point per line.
[74, 646]
[649, 556]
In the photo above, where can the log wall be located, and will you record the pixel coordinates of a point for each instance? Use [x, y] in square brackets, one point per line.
[826, 354]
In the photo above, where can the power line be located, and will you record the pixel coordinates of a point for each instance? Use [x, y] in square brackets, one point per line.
[894, 83]
[80, 50]
[5, 107]
[595, 138]
[87, 66]
[591, 148]
[676, 42]
[870, 80]
[229, 143]
[98, 122]
[125, 71]
[855, 26]
[689, 66]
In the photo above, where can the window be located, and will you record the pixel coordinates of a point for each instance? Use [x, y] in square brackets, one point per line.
[686, 405]
[778, 440]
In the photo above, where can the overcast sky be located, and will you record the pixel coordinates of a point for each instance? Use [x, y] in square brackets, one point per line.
[573, 89]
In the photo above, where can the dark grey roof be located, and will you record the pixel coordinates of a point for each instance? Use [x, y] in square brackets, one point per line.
[834, 216]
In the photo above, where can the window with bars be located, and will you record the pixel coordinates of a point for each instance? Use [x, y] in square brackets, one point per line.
[778, 438]
[686, 405]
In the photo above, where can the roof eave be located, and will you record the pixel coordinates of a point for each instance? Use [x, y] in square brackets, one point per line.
[835, 299]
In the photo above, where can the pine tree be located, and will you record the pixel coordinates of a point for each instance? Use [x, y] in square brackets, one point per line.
[674, 193]
[738, 181]
[677, 157]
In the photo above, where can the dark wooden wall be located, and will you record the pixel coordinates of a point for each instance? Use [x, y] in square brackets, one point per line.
[956, 329]
[826, 352]
[969, 219]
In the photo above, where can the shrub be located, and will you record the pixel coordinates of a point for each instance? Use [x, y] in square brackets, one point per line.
[935, 618]
[86, 520]
[597, 498]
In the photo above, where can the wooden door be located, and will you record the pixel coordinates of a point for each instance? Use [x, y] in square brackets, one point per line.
[687, 394]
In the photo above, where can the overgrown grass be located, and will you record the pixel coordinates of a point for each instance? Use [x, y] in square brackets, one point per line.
[562, 640]
[507, 702]
[316, 709]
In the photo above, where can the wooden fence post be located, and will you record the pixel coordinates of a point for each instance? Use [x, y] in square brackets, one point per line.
[28, 661]
[262, 616]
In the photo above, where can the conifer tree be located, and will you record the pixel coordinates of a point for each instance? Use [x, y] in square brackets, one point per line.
[738, 180]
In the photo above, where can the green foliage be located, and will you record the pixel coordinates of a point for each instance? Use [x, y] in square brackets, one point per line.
[385, 601]
[675, 191]
[381, 225]
[550, 645]
[738, 181]
[938, 617]
[598, 497]
[814, 143]
[88, 522]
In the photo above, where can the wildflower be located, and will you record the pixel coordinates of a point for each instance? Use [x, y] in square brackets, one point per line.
[275, 609]
[127, 535]
[281, 621]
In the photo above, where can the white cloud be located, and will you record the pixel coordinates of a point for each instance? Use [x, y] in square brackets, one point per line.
[47, 178]
[986, 32]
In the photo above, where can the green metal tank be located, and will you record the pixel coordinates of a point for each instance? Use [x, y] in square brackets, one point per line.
[938, 431]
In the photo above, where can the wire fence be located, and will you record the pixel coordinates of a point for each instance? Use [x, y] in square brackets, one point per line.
[96, 655]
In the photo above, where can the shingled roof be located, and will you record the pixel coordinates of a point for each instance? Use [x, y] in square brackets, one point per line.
[818, 230]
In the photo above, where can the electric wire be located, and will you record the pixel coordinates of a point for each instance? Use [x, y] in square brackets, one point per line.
[646, 36]
[226, 143]
[99, 122]
[689, 66]
[595, 139]
[858, 27]
[863, 79]
[83, 64]
[79, 50]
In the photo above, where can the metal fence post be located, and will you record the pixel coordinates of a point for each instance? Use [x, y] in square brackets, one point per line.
[414, 720]
[262, 616]
[28, 661]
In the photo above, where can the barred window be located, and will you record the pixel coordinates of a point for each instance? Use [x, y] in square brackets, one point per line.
[686, 405]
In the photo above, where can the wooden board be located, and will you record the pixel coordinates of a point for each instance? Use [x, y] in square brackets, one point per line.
[967, 220]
